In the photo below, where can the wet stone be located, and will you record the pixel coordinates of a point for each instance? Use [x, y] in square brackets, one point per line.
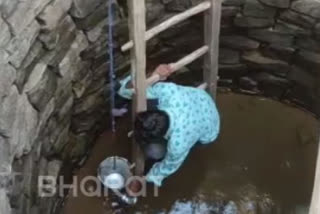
[20, 45]
[28, 64]
[308, 59]
[64, 91]
[8, 76]
[82, 8]
[44, 116]
[247, 83]
[233, 2]
[166, 1]
[94, 34]
[4, 57]
[24, 14]
[308, 7]
[272, 85]
[82, 123]
[317, 30]
[46, 205]
[302, 96]
[50, 17]
[7, 7]
[230, 11]
[65, 110]
[307, 43]
[179, 29]
[41, 92]
[302, 77]
[90, 21]
[4, 202]
[34, 54]
[239, 42]
[27, 168]
[79, 87]
[297, 19]
[54, 168]
[25, 120]
[277, 3]
[8, 112]
[272, 37]
[285, 27]
[227, 27]
[252, 22]
[278, 52]
[229, 56]
[155, 9]
[178, 5]
[89, 103]
[98, 75]
[256, 9]
[51, 39]
[71, 64]
[59, 41]
[186, 43]
[81, 147]
[232, 71]
[225, 83]
[5, 34]
[5, 160]
[35, 76]
[60, 139]
[256, 61]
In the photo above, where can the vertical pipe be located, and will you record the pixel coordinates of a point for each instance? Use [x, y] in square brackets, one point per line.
[137, 25]
[114, 163]
[111, 60]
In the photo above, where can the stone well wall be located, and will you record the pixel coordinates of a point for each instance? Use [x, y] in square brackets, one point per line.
[267, 47]
[273, 47]
[54, 63]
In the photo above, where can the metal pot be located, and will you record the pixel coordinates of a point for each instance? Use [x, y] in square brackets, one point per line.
[114, 172]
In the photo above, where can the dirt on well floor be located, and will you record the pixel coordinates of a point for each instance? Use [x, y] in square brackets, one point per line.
[263, 162]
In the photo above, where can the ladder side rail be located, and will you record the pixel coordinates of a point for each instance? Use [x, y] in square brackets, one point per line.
[137, 28]
[212, 21]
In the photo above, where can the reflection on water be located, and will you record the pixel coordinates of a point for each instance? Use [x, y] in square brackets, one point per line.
[262, 163]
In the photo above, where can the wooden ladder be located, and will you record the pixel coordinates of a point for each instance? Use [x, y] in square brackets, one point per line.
[139, 36]
[137, 25]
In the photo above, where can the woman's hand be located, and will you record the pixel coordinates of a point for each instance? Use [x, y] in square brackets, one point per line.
[164, 71]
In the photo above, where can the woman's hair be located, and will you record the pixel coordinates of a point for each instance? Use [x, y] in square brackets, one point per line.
[151, 125]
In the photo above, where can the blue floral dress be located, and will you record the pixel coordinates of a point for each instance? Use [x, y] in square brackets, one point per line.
[193, 118]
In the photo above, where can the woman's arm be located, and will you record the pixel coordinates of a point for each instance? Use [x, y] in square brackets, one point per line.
[177, 152]
[126, 89]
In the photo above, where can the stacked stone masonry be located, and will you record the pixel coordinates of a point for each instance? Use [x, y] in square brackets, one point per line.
[278, 42]
[54, 68]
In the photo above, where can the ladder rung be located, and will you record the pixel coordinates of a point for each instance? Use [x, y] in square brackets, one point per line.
[171, 22]
[181, 63]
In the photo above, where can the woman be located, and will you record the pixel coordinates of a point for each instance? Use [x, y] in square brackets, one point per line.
[185, 116]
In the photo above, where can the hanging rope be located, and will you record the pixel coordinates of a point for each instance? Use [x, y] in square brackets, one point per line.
[111, 62]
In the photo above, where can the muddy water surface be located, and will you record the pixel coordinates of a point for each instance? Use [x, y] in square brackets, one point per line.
[263, 162]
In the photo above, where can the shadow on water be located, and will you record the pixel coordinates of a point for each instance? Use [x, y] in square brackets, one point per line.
[263, 162]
